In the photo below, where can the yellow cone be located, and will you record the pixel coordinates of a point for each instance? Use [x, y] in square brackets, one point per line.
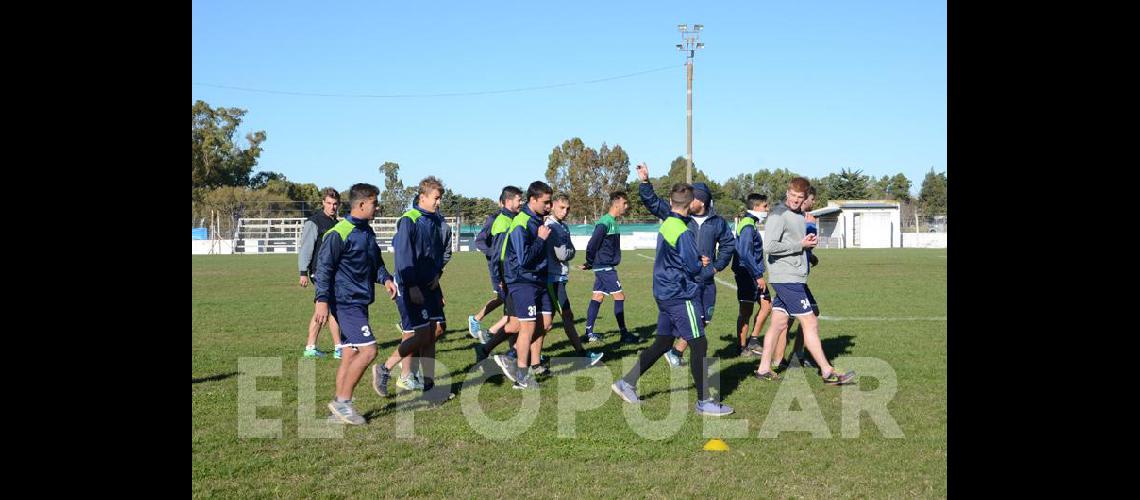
[716, 445]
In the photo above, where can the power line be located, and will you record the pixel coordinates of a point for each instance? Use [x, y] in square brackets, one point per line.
[449, 94]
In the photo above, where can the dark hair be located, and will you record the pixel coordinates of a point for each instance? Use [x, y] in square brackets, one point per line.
[360, 192]
[811, 191]
[330, 193]
[618, 195]
[563, 197]
[537, 189]
[681, 195]
[756, 199]
[509, 192]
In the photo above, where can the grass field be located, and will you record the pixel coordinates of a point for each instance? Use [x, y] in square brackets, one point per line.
[884, 304]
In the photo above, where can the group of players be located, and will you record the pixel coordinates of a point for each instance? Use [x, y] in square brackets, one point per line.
[528, 250]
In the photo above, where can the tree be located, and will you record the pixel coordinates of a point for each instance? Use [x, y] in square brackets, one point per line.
[262, 179]
[848, 185]
[612, 172]
[394, 200]
[773, 183]
[569, 169]
[899, 188]
[932, 196]
[216, 160]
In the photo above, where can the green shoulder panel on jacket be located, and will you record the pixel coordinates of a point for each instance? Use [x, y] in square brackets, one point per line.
[520, 220]
[671, 229]
[342, 228]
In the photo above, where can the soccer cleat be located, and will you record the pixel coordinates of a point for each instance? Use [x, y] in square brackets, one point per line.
[630, 339]
[483, 336]
[674, 360]
[380, 376]
[313, 353]
[346, 413]
[540, 370]
[336, 352]
[627, 392]
[711, 408]
[835, 379]
[593, 337]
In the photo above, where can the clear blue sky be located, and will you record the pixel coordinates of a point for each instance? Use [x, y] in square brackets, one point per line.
[809, 86]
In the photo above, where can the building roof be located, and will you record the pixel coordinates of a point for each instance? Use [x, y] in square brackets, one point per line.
[863, 204]
[825, 211]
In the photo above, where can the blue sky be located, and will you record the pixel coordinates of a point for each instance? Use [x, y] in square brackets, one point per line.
[809, 86]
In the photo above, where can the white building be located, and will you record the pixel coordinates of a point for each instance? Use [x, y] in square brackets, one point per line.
[859, 224]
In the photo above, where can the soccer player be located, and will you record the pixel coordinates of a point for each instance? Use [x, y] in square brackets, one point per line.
[798, 349]
[486, 241]
[748, 267]
[560, 251]
[603, 254]
[348, 264]
[419, 262]
[524, 272]
[676, 270]
[316, 226]
[490, 240]
[786, 237]
[714, 240]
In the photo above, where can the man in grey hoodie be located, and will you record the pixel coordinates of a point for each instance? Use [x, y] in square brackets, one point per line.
[785, 239]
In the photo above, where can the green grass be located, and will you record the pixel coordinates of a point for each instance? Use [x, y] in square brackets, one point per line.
[251, 306]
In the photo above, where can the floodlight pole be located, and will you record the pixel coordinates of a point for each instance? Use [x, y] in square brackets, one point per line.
[690, 42]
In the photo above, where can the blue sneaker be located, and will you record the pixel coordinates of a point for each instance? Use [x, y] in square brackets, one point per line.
[627, 392]
[711, 408]
[595, 357]
[593, 337]
[473, 327]
[336, 352]
[313, 353]
[673, 359]
[512, 354]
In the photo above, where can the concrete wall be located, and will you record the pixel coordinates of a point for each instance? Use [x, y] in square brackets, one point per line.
[924, 240]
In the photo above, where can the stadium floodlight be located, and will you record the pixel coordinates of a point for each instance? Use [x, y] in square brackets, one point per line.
[700, 45]
[680, 47]
[698, 27]
[682, 28]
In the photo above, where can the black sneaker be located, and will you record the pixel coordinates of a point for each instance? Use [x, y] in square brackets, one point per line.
[630, 339]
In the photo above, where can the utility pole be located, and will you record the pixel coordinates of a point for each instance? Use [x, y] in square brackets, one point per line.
[690, 42]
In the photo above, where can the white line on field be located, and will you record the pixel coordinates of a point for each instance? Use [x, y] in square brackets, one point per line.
[847, 318]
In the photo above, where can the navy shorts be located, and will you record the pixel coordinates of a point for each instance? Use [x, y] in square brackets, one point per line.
[412, 316]
[679, 318]
[794, 299]
[747, 291]
[353, 320]
[606, 282]
[708, 301]
[529, 300]
[557, 292]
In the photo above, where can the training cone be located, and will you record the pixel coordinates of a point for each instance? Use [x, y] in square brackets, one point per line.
[715, 444]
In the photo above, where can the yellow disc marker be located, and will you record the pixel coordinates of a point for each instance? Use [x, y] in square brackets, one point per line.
[716, 445]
